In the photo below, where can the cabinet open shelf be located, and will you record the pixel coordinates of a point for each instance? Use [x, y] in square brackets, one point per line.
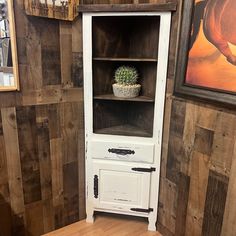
[123, 118]
[124, 59]
[112, 97]
[124, 41]
[126, 37]
[126, 129]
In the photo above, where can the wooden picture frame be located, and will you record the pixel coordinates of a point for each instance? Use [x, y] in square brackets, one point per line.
[56, 9]
[183, 89]
[14, 69]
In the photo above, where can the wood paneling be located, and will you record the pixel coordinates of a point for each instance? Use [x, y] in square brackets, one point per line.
[42, 141]
[41, 130]
[198, 161]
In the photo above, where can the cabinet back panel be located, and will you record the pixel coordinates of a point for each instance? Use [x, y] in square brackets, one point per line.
[123, 118]
[124, 36]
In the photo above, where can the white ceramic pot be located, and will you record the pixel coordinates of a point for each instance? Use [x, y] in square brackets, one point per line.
[126, 91]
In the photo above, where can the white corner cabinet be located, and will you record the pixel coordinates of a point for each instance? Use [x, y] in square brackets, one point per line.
[124, 136]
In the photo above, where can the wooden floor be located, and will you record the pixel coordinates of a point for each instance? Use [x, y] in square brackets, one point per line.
[107, 225]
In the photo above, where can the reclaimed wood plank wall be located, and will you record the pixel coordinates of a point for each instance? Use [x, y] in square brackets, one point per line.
[42, 141]
[42, 130]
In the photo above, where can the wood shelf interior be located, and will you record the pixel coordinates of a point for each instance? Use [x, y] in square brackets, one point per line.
[129, 118]
[103, 77]
[126, 37]
[112, 97]
[130, 41]
[126, 130]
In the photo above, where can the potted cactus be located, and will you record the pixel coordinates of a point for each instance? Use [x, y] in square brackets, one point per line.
[126, 82]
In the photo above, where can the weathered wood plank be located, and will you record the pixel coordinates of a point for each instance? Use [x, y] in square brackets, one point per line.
[33, 50]
[9, 125]
[34, 218]
[52, 95]
[71, 192]
[178, 112]
[215, 204]
[197, 193]
[4, 191]
[10, 133]
[48, 216]
[57, 181]
[167, 204]
[71, 120]
[127, 7]
[223, 143]
[5, 220]
[43, 147]
[229, 222]
[65, 31]
[189, 137]
[27, 133]
[203, 140]
[182, 204]
[50, 45]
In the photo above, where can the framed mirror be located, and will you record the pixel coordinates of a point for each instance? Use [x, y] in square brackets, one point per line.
[9, 75]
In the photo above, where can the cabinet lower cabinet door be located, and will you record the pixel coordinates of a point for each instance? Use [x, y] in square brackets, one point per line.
[118, 187]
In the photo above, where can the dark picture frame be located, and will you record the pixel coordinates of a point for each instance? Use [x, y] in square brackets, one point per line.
[183, 89]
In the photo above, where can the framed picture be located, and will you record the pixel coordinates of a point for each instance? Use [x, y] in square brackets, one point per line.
[206, 66]
[57, 9]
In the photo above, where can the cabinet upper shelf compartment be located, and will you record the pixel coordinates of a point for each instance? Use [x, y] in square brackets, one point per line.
[124, 40]
[126, 37]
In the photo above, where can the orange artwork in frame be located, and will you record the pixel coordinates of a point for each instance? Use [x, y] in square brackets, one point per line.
[206, 67]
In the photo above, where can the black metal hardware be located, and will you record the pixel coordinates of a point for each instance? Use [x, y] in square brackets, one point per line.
[151, 169]
[95, 186]
[121, 151]
[142, 210]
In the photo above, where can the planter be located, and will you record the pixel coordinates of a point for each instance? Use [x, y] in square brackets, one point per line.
[126, 91]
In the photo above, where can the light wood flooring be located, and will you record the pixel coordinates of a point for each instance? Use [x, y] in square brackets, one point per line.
[107, 225]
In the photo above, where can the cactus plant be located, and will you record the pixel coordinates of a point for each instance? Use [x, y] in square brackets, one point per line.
[126, 82]
[126, 75]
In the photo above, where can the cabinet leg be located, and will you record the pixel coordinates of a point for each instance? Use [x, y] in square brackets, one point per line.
[152, 223]
[90, 216]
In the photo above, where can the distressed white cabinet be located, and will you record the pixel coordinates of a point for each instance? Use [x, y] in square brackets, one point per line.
[124, 136]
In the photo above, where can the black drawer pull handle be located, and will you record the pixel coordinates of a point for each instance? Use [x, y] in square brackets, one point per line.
[121, 151]
[95, 186]
[139, 169]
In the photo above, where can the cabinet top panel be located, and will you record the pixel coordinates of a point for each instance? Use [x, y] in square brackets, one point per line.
[128, 7]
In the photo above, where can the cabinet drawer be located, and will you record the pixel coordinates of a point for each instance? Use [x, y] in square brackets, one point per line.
[133, 152]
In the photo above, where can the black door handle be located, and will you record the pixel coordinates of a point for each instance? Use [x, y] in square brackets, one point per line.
[95, 186]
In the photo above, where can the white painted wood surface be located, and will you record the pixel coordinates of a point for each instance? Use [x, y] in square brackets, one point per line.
[116, 178]
[142, 152]
[120, 188]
